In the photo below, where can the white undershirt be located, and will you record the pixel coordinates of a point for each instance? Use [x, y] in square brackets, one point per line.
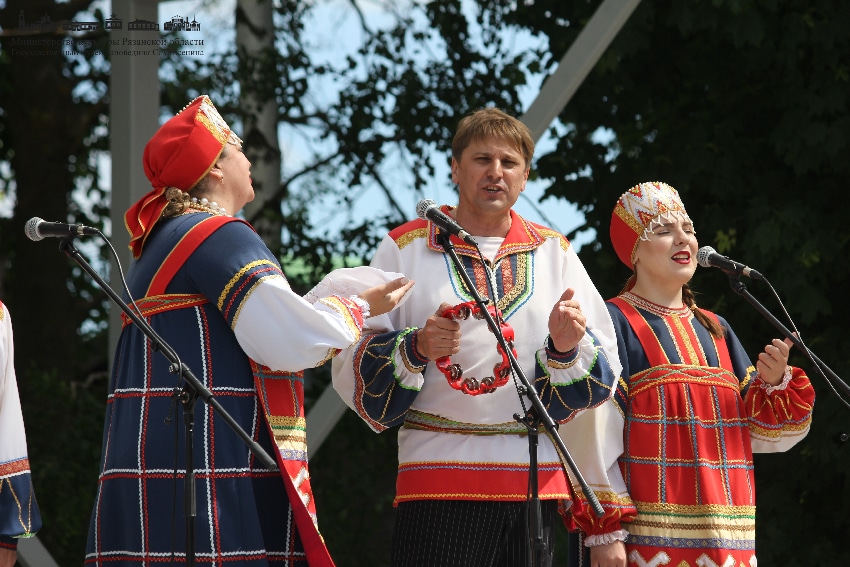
[489, 245]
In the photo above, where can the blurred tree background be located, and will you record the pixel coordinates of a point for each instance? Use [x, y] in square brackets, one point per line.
[741, 105]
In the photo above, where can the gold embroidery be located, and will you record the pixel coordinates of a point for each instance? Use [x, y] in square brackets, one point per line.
[239, 275]
[409, 237]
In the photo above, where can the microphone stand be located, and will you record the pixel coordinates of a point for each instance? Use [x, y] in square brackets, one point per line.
[741, 289]
[534, 418]
[191, 391]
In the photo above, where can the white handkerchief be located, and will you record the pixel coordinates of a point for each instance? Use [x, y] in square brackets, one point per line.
[346, 282]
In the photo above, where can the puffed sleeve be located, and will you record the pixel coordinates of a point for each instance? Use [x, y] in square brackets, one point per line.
[583, 378]
[599, 444]
[381, 376]
[779, 416]
[278, 328]
[275, 326]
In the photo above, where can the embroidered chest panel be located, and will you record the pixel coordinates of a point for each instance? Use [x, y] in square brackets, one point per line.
[511, 277]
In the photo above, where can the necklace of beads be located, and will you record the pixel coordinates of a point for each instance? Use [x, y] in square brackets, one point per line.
[501, 371]
[206, 206]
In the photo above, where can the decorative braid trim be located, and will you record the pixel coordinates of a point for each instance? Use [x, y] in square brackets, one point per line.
[637, 301]
[428, 422]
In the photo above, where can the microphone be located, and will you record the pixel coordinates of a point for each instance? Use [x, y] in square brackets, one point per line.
[38, 229]
[707, 257]
[428, 210]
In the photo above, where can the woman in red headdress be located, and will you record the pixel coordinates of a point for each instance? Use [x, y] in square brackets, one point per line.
[209, 286]
[690, 408]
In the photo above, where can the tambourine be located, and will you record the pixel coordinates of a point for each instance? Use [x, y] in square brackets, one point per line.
[501, 371]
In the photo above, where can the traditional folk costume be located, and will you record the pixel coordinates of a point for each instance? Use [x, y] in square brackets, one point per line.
[19, 513]
[689, 411]
[455, 446]
[209, 286]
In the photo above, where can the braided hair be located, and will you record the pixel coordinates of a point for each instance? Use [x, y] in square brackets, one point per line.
[709, 323]
[179, 200]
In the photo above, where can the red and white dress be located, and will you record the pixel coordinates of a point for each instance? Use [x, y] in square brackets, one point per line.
[690, 411]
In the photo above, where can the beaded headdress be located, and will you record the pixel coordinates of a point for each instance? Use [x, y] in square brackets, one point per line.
[179, 155]
[638, 211]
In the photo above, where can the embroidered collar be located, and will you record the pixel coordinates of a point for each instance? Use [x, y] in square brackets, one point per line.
[522, 237]
[683, 312]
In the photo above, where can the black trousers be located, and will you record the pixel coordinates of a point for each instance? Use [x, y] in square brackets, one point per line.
[577, 554]
[459, 533]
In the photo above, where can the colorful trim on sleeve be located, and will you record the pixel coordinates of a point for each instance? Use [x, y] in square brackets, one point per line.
[387, 377]
[242, 284]
[780, 419]
[20, 515]
[570, 382]
[350, 311]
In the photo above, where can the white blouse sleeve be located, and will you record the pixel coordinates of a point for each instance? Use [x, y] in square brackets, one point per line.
[278, 328]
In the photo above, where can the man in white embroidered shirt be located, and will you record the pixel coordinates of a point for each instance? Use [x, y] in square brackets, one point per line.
[463, 475]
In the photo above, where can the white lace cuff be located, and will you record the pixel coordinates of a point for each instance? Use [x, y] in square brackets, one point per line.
[604, 539]
[362, 304]
[781, 386]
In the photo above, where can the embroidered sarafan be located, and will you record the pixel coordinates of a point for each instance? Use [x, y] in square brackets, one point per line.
[692, 423]
[199, 280]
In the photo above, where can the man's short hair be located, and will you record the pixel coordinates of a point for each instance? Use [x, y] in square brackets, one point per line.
[493, 123]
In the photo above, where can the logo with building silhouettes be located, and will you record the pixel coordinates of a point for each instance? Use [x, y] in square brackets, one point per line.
[46, 24]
